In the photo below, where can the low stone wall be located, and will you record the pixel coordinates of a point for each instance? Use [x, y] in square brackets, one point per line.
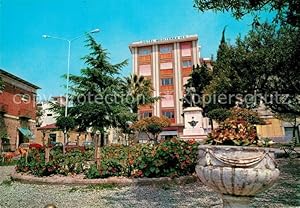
[121, 181]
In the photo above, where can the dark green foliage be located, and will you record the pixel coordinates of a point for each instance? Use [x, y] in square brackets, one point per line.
[265, 63]
[250, 71]
[95, 93]
[169, 158]
[65, 123]
[201, 77]
[285, 11]
[65, 164]
[93, 172]
[111, 167]
[219, 114]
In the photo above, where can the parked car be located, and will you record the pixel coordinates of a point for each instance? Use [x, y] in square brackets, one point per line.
[70, 146]
[88, 145]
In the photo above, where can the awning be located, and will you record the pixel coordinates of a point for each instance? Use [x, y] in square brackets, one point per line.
[26, 132]
[168, 133]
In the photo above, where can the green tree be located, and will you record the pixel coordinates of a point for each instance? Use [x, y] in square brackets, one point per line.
[200, 77]
[152, 126]
[65, 123]
[265, 62]
[219, 114]
[95, 97]
[225, 82]
[285, 11]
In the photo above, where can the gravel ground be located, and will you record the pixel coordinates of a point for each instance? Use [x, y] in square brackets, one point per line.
[13, 194]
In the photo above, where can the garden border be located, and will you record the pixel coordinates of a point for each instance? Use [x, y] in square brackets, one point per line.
[120, 181]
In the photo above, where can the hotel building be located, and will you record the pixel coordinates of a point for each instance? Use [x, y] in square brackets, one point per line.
[168, 64]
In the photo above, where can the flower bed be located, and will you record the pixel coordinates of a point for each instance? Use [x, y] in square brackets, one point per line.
[170, 158]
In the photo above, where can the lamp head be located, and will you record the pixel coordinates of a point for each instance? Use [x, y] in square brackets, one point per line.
[95, 30]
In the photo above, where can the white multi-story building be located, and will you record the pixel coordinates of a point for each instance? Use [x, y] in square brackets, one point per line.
[168, 64]
[49, 117]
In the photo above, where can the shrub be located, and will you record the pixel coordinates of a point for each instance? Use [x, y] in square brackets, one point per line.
[168, 158]
[238, 130]
[247, 115]
[234, 132]
[219, 114]
[69, 163]
[36, 164]
[92, 172]
[7, 161]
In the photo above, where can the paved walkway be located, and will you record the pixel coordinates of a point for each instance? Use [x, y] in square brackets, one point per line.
[13, 194]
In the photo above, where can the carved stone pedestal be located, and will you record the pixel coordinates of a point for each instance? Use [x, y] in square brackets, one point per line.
[193, 124]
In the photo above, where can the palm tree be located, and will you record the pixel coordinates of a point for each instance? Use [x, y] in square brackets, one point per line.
[139, 90]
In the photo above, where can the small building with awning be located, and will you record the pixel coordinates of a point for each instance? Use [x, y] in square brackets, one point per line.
[17, 111]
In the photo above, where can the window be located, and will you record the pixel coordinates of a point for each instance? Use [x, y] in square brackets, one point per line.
[25, 97]
[52, 137]
[167, 81]
[186, 64]
[145, 70]
[186, 49]
[49, 114]
[169, 114]
[146, 114]
[144, 51]
[167, 101]
[166, 65]
[165, 49]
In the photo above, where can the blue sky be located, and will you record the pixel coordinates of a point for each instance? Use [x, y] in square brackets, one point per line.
[25, 53]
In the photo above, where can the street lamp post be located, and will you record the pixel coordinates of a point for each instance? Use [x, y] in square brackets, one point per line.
[68, 70]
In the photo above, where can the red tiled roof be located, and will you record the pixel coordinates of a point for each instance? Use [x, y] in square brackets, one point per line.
[48, 127]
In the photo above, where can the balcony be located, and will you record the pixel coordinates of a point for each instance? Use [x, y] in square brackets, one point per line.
[3, 108]
[166, 72]
[167, 87]
[165, 56]
[172, 120]
[186, 72]
[144, 59]
[145, 108]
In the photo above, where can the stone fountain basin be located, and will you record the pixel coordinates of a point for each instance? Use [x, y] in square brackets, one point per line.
[235, 170]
